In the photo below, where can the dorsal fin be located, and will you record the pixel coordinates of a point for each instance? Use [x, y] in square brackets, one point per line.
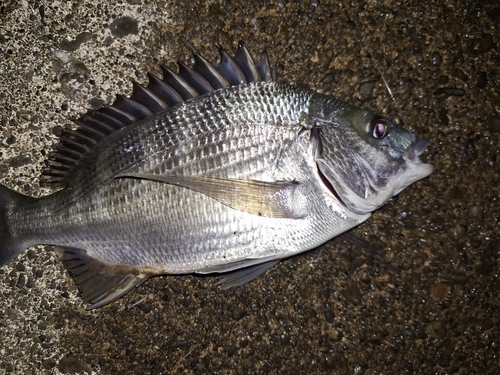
[160, 94]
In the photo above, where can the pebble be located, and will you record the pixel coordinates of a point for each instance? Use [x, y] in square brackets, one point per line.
[365, 90]
[325, 58]
[495, 125]
[62, 56]
[481, 80]
[21, 281]
[238, 313]
[72, 365]
[20, 266]
[49, 363]
[450, 91]
[328, 78]
[124, 26]
[73, 45]
[10, 140]
[436, 59]
[480, 45]
[329, 316]
[476, 211]
[403, 215]
[352, 295]
[439, 290]
[459, 74]
[19, 161]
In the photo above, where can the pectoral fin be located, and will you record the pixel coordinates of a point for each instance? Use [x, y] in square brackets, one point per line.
[271, 199]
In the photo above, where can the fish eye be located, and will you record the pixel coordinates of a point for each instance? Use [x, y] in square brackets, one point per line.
[379, 127]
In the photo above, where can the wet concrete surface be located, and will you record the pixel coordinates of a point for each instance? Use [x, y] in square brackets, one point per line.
[422, 298]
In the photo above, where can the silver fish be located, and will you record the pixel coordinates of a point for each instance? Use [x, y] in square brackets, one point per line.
[214, 169]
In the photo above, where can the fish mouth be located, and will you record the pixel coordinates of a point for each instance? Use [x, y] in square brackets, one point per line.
[372, 195]
[415, 168]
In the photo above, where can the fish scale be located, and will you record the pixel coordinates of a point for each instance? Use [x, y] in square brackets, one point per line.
[234, 178]
[245, 161]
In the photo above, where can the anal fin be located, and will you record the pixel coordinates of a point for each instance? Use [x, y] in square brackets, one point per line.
[99, 283]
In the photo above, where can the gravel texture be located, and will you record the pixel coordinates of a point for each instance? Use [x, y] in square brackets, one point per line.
[422, 298]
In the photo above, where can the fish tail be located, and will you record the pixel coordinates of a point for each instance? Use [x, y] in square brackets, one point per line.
[10, 247]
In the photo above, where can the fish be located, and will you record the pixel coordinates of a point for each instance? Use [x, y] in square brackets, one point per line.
[218, 168]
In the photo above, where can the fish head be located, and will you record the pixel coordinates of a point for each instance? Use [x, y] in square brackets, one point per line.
[363, 158]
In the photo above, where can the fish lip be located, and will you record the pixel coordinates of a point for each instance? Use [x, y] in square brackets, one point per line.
[419, 145]
[416, 148]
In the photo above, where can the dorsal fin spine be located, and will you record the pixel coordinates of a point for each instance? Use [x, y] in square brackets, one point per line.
[147, 98]
[207, 70]
[128, 105]
[80, 136]
[178, 83]
[195, 79]
[89, 131]
[62, 159]
[246, 63]
[105, 124]
[164, 91]
[61, 149]
[229, 69]
[121, 116]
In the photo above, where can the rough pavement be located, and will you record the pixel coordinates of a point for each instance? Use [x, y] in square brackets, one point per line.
[422, 298]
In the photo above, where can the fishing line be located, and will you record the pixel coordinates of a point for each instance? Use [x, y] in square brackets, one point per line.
[376, 65]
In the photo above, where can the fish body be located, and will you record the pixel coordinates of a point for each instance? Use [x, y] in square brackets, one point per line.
[236, 173]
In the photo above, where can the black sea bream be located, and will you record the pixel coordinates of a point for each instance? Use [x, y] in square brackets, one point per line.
[213, 169]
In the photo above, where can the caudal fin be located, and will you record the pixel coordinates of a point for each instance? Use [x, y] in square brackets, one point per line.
[10, 247]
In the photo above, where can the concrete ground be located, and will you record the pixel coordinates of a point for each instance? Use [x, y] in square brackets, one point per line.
[422, 298]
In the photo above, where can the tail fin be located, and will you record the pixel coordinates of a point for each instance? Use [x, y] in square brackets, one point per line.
[10, 247]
